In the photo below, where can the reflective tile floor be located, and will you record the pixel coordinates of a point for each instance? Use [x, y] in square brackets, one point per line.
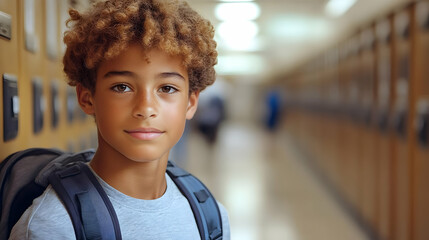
[268, 190]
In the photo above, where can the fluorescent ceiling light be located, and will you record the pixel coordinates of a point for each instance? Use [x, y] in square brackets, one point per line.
[237, 11]
[240, 64]
[298, 28]
[238, 35]
[336, 8]
[249, 45]
[238, 30]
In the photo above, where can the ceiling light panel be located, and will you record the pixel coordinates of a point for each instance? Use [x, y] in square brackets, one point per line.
[234, 11]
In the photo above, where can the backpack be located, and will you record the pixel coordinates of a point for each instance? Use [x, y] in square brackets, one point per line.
[25, 175]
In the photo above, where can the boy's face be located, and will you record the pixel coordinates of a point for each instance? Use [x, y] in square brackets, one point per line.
[141, 102]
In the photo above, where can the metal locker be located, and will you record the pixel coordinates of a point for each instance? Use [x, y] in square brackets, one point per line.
[384, 68]
[368, 138]
[400, 150]
[420, 134]
[10, 79]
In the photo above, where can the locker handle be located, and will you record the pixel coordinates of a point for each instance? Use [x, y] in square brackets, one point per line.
[367, 117]
[423, 128]
[383, 121]
[401, 123]
[15, 106]
[355, 114]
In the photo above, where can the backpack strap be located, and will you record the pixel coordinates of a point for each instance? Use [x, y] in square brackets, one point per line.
[89, 207]
[203, 204]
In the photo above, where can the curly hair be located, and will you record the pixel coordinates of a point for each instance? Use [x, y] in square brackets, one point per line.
[109, 27]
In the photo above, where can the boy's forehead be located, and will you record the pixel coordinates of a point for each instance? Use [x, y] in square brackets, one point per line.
[136, 50]
[138, 58]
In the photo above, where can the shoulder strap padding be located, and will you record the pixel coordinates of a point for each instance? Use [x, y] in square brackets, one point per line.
[89, 207]
[203, 204]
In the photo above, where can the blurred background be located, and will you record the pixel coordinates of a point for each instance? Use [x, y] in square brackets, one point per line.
[316, 127]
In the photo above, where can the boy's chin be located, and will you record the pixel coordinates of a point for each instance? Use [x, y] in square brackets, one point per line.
[143, 156]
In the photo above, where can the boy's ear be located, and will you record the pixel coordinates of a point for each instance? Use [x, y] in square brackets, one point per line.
[192, 104]
[85, 99]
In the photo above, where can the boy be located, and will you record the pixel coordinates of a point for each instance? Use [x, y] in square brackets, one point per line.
[138, 67]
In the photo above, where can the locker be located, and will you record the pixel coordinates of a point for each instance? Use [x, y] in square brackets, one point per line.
[32, 66]
[400, 152]
[336, 126]
[310, 93]
[368, 138]
[30, 43]
[349, 134]
[332, 103]
[53, 65]
[343, 155]
[9, 67]
[52, 28]
[382, 165]
[318, 116]
[384, 201]
[421, 133]
[356, 134]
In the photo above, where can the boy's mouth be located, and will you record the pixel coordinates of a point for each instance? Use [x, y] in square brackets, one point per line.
[145, 133]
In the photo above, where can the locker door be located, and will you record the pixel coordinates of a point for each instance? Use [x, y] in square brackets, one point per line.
[400, 151]
[32, 67]
[369, 164]
[324, 123]
[332, 121]
[313, 125]
[384, 205]
[352, 134]
[314, 118]
[291, 103]
[357, 136]
[54, 84]
[8, 65]
[421, 133]
[342, 120]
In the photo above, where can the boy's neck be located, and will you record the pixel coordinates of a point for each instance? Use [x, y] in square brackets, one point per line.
[138, 180]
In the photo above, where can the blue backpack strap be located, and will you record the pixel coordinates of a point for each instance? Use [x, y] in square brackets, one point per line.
[89, 207]
[203, 204]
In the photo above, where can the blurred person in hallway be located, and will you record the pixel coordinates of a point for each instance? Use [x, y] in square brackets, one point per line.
[273, 105]
[211, 111]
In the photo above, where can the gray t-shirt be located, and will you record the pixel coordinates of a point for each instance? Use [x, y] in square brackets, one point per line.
[168, 217]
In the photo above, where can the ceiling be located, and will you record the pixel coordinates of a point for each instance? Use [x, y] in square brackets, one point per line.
[290, 32]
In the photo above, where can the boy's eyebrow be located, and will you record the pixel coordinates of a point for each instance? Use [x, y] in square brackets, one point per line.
[171, 74]
[131, 74]
[119, 73]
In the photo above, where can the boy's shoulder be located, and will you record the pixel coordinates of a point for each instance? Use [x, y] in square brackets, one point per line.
[46, 218]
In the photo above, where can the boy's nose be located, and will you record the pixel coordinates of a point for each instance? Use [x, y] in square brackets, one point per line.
[145, 106]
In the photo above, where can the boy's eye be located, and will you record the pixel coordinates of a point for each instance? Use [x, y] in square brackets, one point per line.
[121, 88]
[167, 89]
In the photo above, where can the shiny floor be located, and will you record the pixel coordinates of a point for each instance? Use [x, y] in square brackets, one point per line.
[261, 178]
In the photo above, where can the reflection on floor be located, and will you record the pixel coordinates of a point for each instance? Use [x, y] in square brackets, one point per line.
[268, 191]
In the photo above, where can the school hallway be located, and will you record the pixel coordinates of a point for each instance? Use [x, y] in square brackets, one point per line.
[267, 187]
